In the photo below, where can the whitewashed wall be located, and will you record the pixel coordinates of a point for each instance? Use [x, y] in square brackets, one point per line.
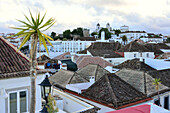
[116, 61]
[154, 40]
[130, 55]
[162, 96]
[134, 35]
[66, 46]
[72, 104]
[14, 84]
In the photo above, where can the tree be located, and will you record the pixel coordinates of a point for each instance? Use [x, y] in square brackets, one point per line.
[107, 33]
[94, 33]
[51, 105]
[67, 34]
[53, 35]
[157, 82]
[117, 32]
[33, 29]
[64, 39]
[124, 39]
[78, 31]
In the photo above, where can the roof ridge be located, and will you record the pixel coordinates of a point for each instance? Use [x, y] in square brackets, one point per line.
[71, 78]
[111, 89]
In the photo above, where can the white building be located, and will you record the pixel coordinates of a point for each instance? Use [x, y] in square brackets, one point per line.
[66, 46]
[15, 94]
[71, 104]
[124, 28]
[98, 28]
[153, 40]
[131, 35]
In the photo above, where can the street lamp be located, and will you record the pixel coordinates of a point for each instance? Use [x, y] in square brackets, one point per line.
[45, 90]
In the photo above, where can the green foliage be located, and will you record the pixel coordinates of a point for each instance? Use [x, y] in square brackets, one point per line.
[35, 27]
[156, 82]
[51, 105]
[117, 32]
[67, 34]
[78, 31]
[94, 33]
[124, 38]
[24, 48]
[107, 33]
[53, 35]
[64, 39]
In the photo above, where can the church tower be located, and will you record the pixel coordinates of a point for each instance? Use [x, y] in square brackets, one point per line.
[97, 27]
[108, 26]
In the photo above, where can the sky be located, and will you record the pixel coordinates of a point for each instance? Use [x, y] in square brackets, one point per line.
[152, 16]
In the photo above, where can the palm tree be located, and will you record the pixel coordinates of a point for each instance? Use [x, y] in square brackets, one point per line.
[157, 82]
[124, 39]
[33, 29]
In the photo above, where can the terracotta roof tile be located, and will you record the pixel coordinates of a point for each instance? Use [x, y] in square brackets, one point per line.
[101, 48]
[12, 63]
[93, 60]
[113, 91]
[63, 56]
[134, 47]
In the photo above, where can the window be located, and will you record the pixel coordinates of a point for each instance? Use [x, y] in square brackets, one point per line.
[166, 102]
[157, 102]
[134, 55]
[140, 54]
[17, 102]
[110, 60]
[147, 55]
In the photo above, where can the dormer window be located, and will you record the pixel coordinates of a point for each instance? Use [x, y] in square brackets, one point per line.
[67, 56]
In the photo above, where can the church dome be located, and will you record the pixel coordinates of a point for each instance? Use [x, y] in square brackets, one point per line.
[98, 24]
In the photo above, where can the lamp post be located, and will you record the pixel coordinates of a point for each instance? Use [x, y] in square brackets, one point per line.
[45, 90]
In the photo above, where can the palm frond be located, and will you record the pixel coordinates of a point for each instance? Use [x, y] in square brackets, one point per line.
[33, 21]
[29, 26]
[48, 37]
[42, 19]
[25, 40]
[48, 40]
[49, 22]
[44, 43]
[27, 19]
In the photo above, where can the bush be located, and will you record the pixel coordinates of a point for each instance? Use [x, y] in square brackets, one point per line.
[51, 105]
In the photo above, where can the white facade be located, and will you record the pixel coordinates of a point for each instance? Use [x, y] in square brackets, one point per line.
[133, 35]
[66, 46]
[70, 103]
[79, 87]
[132, 55]
[116, 61]
[162, 99]
[153, 40]
[129, 56]
[124, 28]
[14, 86]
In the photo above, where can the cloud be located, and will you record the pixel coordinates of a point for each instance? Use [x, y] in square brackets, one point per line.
[151, 16]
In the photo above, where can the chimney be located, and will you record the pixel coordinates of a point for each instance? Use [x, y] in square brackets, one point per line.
[143, 60]
[92, 79]
[64, 66]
